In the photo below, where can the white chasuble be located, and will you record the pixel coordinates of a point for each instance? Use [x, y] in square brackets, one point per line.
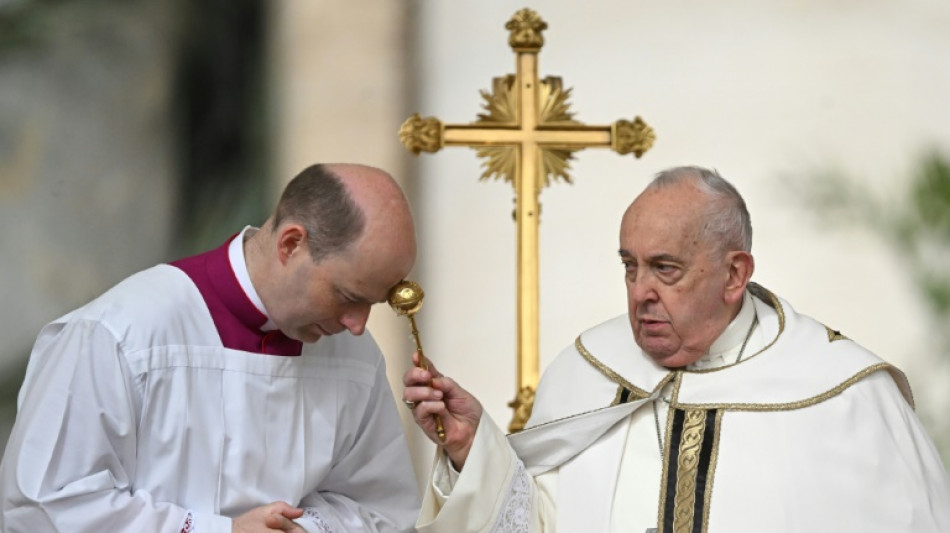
[808, 432]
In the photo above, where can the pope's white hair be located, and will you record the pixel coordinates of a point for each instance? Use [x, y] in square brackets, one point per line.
[727, 219]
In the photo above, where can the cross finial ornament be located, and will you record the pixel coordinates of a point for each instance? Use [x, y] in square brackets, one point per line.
[526, 27]
[527, 136]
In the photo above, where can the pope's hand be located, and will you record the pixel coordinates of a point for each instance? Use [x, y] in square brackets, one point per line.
[434, 394]
[277, 516]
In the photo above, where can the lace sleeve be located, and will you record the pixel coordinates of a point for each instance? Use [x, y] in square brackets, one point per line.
[515, 516]
[311, 515]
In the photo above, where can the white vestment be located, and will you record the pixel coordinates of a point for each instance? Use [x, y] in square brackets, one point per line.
[809, 432]
[135, 417]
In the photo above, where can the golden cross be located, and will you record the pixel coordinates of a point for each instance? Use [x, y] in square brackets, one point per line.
[527, 138]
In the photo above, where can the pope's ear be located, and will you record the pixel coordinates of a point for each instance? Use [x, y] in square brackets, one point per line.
[291, 239]
[741, 265]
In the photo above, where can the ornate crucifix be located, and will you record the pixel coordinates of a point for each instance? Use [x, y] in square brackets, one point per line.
[527, 138]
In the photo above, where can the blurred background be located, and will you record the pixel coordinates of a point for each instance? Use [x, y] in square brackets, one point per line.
[139, 131]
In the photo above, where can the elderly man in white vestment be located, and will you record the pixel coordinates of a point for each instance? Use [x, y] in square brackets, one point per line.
[230, 392]
[711, 406]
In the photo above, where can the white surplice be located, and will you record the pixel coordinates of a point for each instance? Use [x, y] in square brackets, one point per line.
[808, 432]
[133, 418]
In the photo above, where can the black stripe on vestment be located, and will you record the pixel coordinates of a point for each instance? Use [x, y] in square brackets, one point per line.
[673, 462]
[702, 470]
[624, 396]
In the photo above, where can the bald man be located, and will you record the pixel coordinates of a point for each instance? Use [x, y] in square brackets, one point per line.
[230, 392]
[710, 406]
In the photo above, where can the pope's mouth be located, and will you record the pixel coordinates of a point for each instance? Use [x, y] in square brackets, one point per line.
[650, 325]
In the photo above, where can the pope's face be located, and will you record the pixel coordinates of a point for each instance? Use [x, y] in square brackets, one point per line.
[676, 282]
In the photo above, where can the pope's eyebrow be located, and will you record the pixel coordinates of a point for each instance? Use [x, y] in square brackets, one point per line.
[652, 258]
[662, 257]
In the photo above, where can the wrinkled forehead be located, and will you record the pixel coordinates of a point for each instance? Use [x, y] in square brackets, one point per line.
[649, 216]
[662, 221]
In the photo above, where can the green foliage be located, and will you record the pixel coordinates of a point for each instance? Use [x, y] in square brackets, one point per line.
[931, 194]
[926, 238]
[915, 224]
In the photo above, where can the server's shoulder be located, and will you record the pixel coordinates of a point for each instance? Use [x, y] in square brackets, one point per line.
[147, 305]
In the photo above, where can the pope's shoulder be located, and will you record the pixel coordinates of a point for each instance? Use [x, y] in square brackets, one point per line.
[576, 380]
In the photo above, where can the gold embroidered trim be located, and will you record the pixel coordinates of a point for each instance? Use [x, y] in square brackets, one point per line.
[755, 289]
[711, 473]
[605, 370]
[834, 335]
[772, 301]
[636, 392]
[903, 385]
[675, 394]
[789, 406]
[691, 443]
[694, 427]
[667, 433]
